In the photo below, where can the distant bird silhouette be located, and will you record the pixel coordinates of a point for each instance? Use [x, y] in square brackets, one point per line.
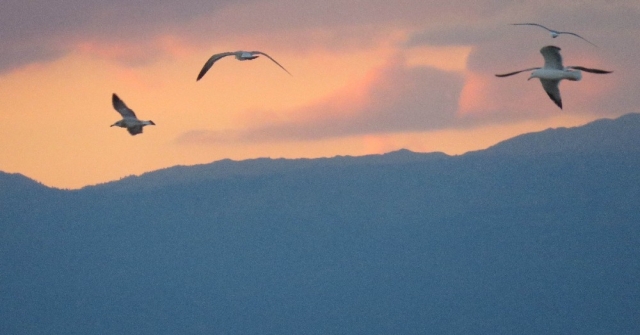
[554, 33]
[553, 72]
[129, 119]
[240, 55]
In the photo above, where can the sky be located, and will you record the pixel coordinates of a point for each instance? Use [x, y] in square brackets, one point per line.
[368, 77]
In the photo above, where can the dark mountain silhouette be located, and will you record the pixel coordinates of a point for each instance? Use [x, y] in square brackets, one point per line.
[536, 235]
[17, 182]
[227, 168]
[20, 195]
[603, 136]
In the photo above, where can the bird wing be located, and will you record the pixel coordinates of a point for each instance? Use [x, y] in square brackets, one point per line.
[135, 130]
[264, 54]
[515, 72]
[586, 69]
[210, 62]
[576, 35]
[531, 24]
[552, 57]
[551, 87]
[119, 105]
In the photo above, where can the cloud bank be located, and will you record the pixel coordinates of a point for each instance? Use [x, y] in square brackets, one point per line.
[394, 98]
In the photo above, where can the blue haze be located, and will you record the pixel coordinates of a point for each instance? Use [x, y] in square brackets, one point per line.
[539, 234]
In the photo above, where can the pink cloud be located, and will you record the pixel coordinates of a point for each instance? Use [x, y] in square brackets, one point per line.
[393, 98]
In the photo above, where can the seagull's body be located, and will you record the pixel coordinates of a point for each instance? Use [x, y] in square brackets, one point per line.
[239, 55]
[554, 33]
[129, 119]
[553, 72]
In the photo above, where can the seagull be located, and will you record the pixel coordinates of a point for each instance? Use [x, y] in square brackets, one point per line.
[553, 72]
[129, 119]
[554, 33]
[240, 55]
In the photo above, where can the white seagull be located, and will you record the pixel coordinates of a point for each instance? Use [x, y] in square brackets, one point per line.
[240, 55]
[129, 119]
[554, 33]
[553, 72]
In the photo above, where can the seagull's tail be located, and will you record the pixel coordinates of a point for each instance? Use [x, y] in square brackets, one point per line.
[574, 75]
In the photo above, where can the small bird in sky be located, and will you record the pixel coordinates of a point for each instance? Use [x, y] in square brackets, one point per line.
[240, 55]
[553, 72]
[554, 33]
[129, 119]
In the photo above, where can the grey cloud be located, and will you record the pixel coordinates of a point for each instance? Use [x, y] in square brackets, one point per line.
[16, 56]
[455, 35]
[45, 29]
[599, 22]
[42, 30]
[338, 15]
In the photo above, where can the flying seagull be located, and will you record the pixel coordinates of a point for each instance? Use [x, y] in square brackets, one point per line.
[240, 55]
[129, 119]
[553, 72]
[554, 33]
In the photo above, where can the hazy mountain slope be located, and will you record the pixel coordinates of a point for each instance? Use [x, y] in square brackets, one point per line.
[473, 244]
[254, 167]
[603, 136]
[15, 182]
[21, 197]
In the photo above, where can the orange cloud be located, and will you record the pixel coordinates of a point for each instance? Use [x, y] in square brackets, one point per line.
[393, 97]
[485, 96]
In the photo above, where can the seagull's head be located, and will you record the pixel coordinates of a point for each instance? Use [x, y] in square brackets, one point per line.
[119, 124]
[534, 74]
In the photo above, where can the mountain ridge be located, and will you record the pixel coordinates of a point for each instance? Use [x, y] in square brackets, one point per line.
[228, 168]
[617, 135]
[602, 135]
[475, 244]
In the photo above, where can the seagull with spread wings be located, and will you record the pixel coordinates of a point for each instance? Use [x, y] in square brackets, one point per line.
[554, 33]
[240, 55]
[129, 119]
[553, 72]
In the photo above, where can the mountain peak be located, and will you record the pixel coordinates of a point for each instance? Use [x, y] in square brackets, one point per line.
[17, 181]
[603, 135]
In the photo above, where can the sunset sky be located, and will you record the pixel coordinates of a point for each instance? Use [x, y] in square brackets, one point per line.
[368, 77]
